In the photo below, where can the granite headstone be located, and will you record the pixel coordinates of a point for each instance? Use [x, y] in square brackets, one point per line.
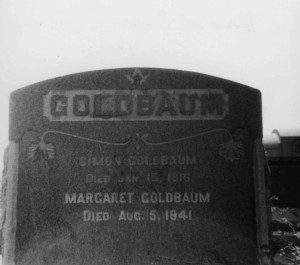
[136, 166]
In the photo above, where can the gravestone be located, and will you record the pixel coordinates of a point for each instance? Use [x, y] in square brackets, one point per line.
[136, 166]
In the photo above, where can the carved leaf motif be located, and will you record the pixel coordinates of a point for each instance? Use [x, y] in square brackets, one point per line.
[41, 150]
[231, 150]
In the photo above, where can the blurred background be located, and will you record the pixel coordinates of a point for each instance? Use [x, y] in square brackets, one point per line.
[255, 43]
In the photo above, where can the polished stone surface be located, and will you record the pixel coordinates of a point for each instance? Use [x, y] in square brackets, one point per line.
[136, 166]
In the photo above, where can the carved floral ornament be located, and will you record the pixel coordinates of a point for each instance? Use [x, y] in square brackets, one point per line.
[41, 150]
[231, 150]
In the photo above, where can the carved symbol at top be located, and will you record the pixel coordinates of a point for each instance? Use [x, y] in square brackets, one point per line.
[137, 76]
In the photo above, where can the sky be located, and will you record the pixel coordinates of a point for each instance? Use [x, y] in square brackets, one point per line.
[256, 43]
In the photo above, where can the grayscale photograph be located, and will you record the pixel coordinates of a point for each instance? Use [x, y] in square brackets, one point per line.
[150, 132]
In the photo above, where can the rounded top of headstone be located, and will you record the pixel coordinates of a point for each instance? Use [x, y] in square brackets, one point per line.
[131, 78]
[30, 106]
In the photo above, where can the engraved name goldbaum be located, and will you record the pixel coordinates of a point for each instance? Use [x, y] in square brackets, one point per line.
[107, 104]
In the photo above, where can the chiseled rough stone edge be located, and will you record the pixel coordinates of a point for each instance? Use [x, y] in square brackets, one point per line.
[10, 204]
[261, 201]
[3, 189]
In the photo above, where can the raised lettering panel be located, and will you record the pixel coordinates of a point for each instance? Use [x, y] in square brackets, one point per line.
[162, 104]
[159, 171]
